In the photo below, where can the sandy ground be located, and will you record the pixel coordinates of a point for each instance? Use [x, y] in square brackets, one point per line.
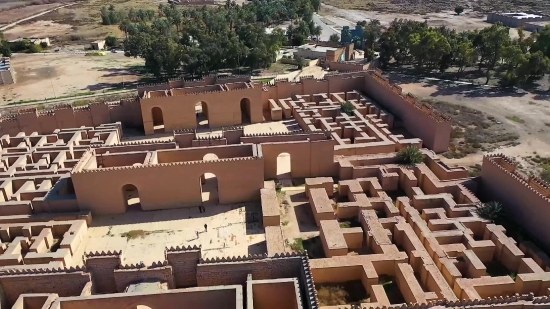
[39, 76]
[533, 109]
[468, 20]
[232, 230]
[11, 16]
[37, 29]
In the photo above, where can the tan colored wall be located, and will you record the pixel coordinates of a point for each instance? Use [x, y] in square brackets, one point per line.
[224, 108]
[229, 297]
[279, 293]
[417, 118]
[239, 180]
[526, 206]
[64, 284]
[307, 159]
[128, 112]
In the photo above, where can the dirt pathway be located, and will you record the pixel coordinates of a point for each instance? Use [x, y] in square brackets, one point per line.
[34, 16]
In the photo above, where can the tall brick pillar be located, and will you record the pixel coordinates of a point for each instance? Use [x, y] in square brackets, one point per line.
[184, 262]
[102, 266]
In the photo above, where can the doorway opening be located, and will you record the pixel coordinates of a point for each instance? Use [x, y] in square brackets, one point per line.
[130, 195]
[201, 112]
[284, 166]
[209, 189]
[245, 110]
[158, 120]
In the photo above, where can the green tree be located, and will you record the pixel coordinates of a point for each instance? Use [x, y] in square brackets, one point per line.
[372, 31]
[465, 55]
[491, 211]
[428, 47]
[5, 50]
[494, 39]
[346, 35]
[348, 108]
[334, 38]
[459, 9]
[111, 41]
[410, 156]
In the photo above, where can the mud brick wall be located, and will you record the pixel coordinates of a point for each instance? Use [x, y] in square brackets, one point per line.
[102, 270]
[184, 267]
[64, 284]
[236, 272]
[125, 277]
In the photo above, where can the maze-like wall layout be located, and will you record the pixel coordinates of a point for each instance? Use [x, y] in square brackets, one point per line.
[387, 235]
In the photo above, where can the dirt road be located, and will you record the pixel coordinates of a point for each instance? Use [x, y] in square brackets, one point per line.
[34, 16]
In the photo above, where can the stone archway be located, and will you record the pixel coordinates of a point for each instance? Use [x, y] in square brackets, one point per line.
[130, 194]
[158, 119]
[201, 111]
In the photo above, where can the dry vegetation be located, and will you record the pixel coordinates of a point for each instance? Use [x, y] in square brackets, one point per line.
[425, 6]
[473, 131]
[347, 293]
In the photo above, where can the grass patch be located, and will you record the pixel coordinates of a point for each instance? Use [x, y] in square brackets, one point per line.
[515, 119]
[284, 223]
[347, 293]
[313, 246]
[134, 234]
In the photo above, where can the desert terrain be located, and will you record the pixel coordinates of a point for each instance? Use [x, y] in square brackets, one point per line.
[49, 75]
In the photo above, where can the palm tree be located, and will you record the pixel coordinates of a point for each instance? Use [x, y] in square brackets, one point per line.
[491, 211]
[410, 156]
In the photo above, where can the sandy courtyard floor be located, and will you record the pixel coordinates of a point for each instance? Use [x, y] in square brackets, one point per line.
[232, 230]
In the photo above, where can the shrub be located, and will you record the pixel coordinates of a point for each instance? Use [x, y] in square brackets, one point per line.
[111, 41]
[492, 211]
[459, 9]
[410, 156]
[35, 48]
[348, 108]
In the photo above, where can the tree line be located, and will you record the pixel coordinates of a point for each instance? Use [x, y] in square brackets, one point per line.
[406, 42]
[201, 40]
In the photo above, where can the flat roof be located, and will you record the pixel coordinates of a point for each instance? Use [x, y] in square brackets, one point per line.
[522, 15]
[316, 48]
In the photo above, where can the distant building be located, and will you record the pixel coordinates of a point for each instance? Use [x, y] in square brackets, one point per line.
[98, 45]
[35, 41]
[516, 20]
[7, 75]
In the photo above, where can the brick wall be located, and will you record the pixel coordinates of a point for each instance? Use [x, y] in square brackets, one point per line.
[102, 270]
[184, 266]
[125, 277]
[236, 272]
[64, 284]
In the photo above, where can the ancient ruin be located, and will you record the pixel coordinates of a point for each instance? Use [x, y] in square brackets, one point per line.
[211, 216]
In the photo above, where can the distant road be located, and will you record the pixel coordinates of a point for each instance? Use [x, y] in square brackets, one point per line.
[326, 31]
[34, 16]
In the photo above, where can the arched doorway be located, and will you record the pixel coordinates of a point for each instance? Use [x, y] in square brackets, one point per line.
[158, 119]
[245, 110]
[284, 166]
[209, 184]
[209, 189]
[130, 194]
[201, 111]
